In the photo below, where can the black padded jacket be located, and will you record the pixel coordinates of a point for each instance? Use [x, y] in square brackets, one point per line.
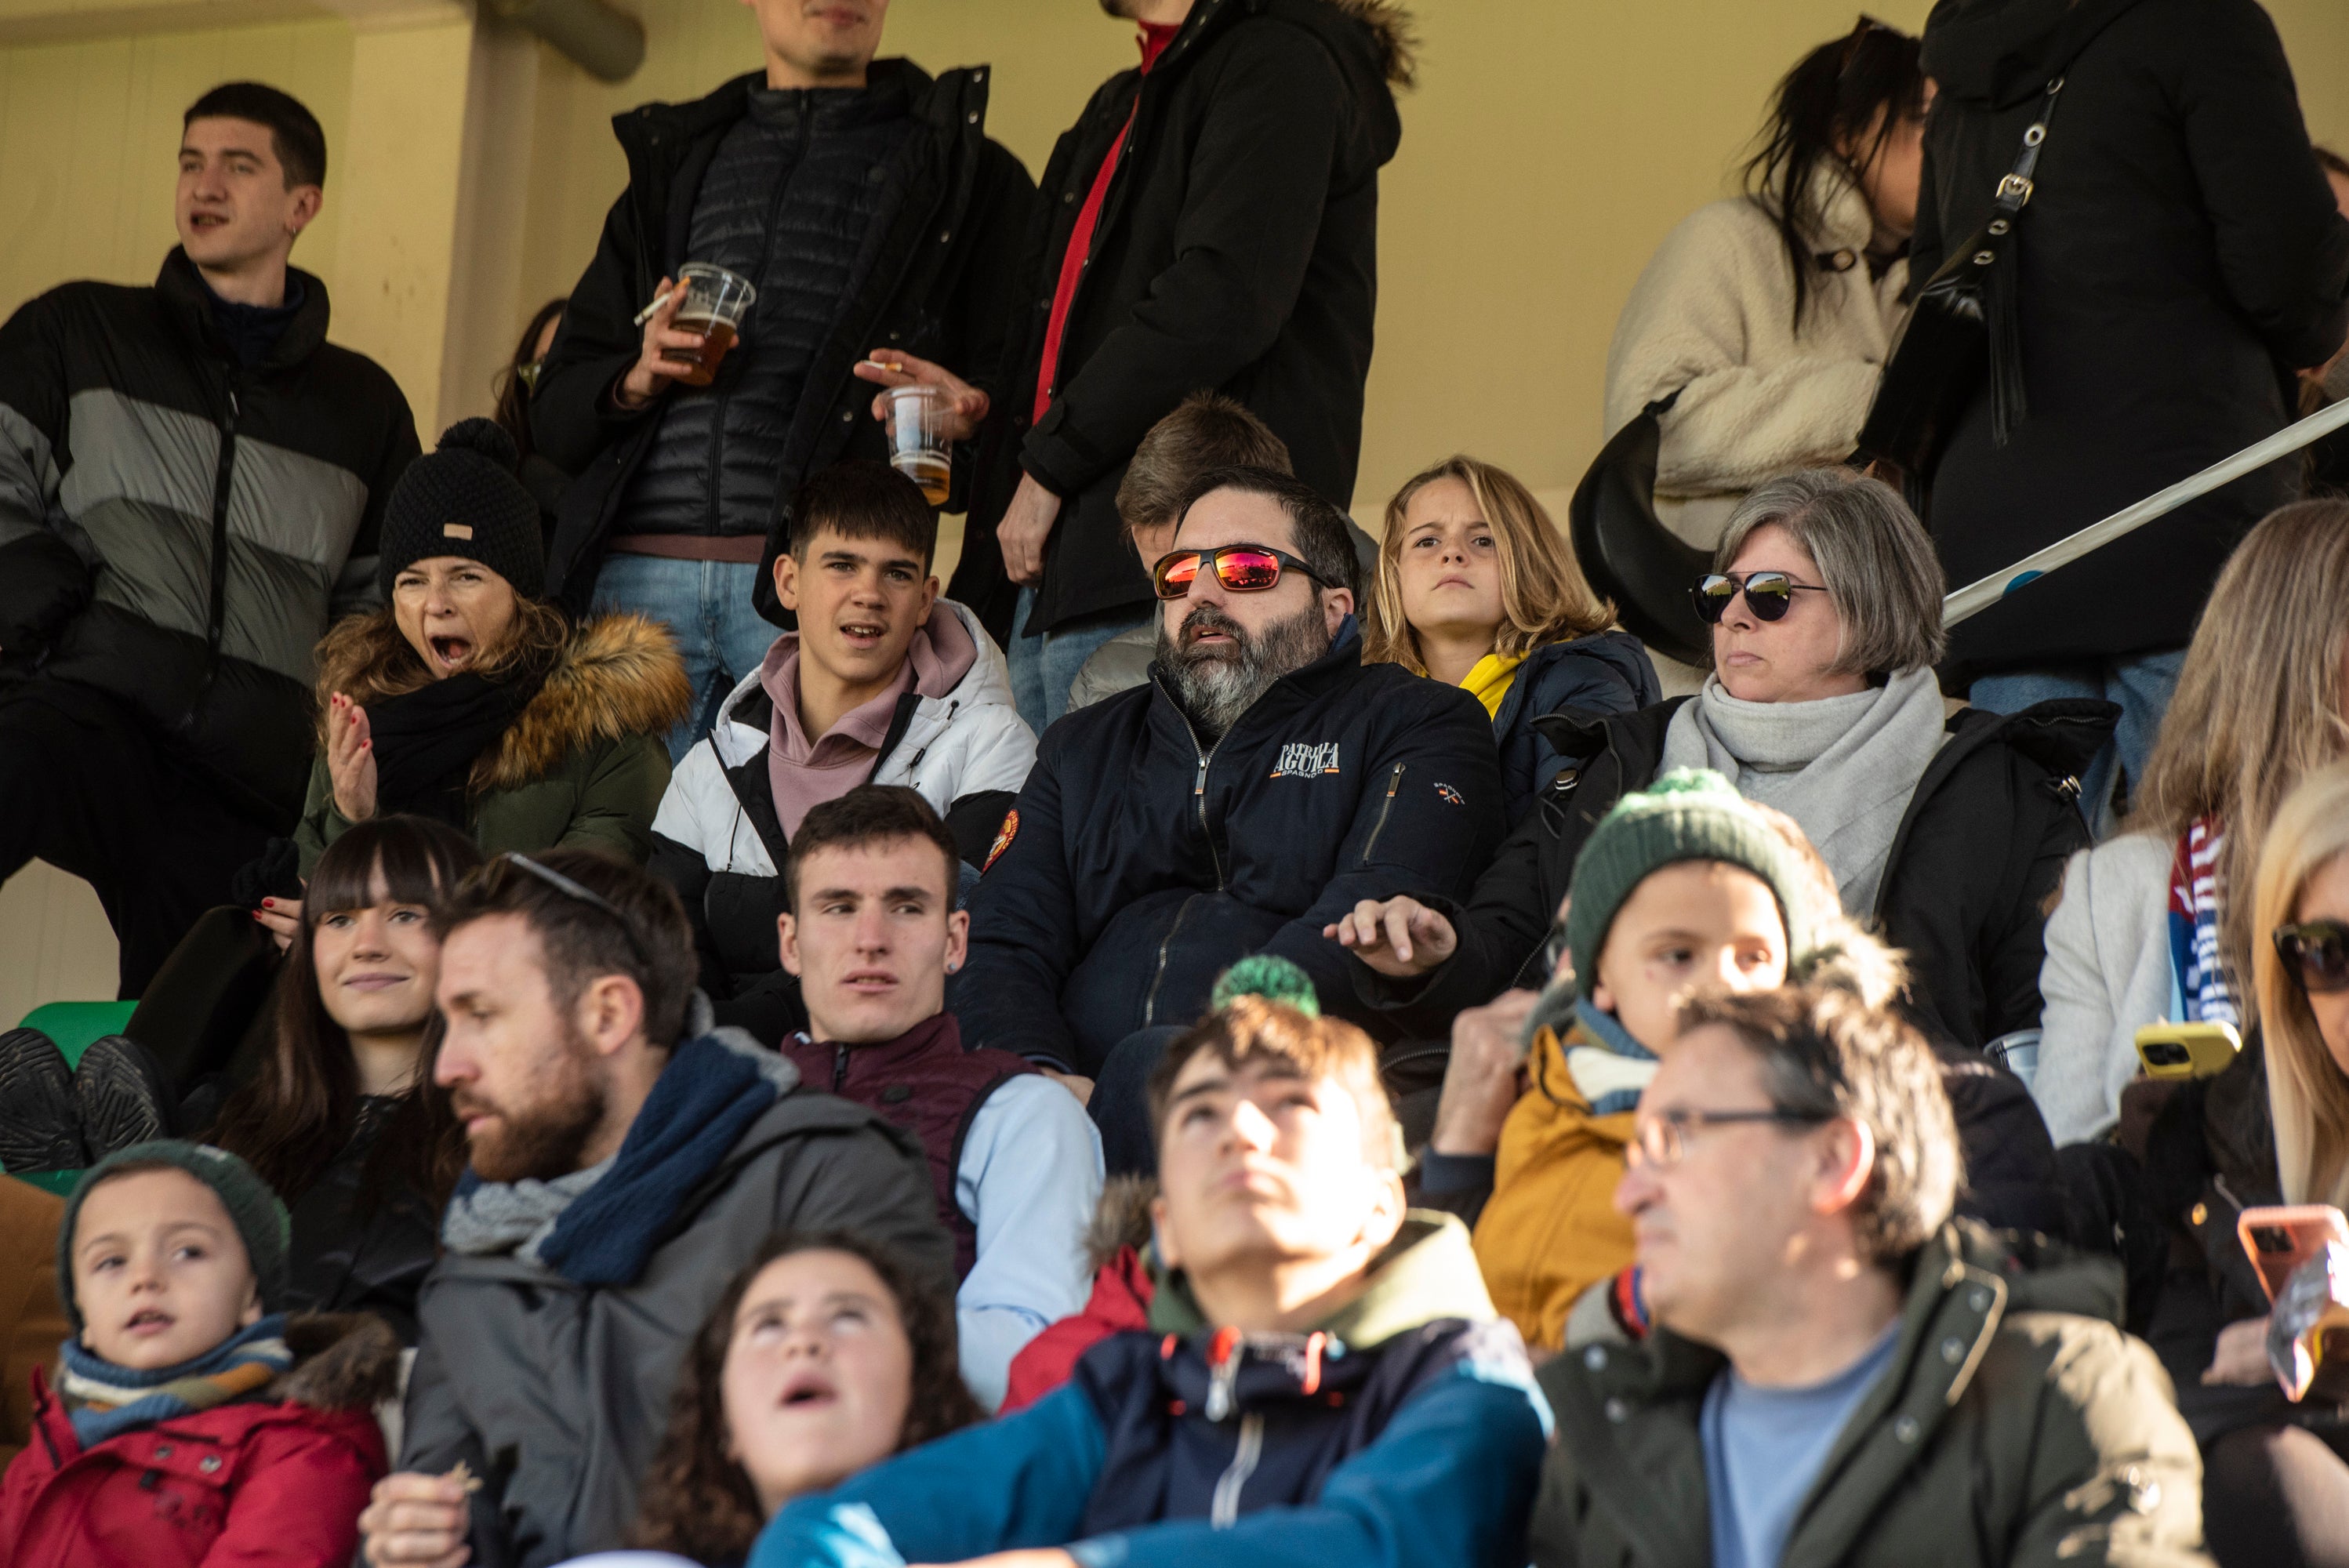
[179, 529]
[1982, 845]
[935, 277]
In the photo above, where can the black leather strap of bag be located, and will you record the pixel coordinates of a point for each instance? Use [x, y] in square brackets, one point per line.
[2009, 403]
[1948, 342]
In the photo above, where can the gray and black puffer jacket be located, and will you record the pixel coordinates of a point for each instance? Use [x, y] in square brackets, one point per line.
[180, 530]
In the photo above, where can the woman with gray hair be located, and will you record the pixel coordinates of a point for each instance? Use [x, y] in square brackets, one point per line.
[1946, 833]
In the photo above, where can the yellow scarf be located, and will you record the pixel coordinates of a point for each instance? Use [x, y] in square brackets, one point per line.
[1488, 682]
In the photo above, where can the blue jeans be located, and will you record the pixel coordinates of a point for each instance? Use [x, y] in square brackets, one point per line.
[1044, 667]
[706, 604]
[2140, 684]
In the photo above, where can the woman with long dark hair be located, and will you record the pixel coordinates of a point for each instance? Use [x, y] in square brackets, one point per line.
[343, 1118]
[826, 1354]
[1768, 316]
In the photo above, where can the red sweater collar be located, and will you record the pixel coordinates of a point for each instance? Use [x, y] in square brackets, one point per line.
[1155, 37]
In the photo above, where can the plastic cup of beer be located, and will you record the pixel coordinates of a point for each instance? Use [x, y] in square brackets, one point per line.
[714, 304]
[918, 447]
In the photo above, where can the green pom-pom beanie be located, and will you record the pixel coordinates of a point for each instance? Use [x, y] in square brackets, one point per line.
[260, 1221]
[1270, 976]
[1689, 814]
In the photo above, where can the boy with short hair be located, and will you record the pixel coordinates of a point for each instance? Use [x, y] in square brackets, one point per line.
[871, 931]
[1206, 431]
[190, 1421]
[1323, 1379]
[882, 683]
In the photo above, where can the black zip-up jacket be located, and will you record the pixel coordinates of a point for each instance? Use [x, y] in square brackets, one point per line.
[1980, 846]
[1137, 864]
[940, 281]
[2179, 257]
[1237, 249]
[179, 529]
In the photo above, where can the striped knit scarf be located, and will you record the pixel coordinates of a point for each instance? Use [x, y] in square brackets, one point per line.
[104, 1401]
[2198, 988]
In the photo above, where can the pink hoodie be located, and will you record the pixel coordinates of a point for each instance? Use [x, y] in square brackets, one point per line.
[804, 774]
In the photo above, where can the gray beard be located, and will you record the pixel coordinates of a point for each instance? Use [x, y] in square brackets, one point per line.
[1215, 685]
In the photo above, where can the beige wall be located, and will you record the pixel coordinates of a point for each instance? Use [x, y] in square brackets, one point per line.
[90, 129]
[1549, 146]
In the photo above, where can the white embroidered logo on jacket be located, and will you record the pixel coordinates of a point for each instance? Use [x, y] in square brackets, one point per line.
[1303, 759]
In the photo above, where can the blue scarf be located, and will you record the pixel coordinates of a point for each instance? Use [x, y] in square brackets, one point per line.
[104, 1401]
[603, 1230]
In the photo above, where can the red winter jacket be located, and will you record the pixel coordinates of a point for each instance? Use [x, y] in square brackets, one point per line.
[276, 1481]
[1120, 1300]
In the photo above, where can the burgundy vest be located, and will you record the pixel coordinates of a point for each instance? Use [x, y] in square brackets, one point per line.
[924, 1082]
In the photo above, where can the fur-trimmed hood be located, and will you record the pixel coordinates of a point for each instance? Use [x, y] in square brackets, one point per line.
[613, 676]
[619, 676]
[342, 1361]
[1392, 34]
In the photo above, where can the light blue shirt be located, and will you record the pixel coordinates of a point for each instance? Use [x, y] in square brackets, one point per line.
[1763, 1448]
[1030, 1179]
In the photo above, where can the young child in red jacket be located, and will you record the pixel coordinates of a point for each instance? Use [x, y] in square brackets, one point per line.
[187, 1421]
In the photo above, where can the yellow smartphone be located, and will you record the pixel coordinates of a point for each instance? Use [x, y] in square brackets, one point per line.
[2186, 1050]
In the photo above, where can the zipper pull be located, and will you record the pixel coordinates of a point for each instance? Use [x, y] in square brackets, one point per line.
[1199, 786]
[1222, 1372]
[839, 1065]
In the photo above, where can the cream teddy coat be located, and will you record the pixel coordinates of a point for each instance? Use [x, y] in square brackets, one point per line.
[1713, 317]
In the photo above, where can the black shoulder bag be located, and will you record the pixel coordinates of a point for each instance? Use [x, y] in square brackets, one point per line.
[1963, 324]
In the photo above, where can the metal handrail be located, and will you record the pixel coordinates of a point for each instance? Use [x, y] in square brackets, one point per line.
[1976, 597]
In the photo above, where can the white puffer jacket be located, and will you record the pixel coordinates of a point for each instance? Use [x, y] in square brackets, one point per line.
[970, 742]
[1713, 318]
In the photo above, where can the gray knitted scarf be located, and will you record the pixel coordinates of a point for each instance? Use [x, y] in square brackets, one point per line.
[1842, 767]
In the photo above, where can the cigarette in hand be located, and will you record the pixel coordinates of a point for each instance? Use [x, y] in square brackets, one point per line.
[897, 368]
[659, 300]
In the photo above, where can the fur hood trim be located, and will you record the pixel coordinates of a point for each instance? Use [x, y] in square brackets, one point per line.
[613, 676]
[342, 1361]
[1393, 33]
[619, 675]
[1120, 1219]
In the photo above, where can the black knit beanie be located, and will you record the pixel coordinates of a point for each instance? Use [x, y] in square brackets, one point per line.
[464, 499]
[260, 1219]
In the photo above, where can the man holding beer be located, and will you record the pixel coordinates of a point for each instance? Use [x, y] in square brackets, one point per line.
[705, 364]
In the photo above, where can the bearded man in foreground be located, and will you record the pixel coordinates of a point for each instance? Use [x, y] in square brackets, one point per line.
[625, 1159]
[1262, 782]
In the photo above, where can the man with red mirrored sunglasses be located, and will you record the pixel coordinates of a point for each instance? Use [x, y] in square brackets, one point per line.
[1262, 782]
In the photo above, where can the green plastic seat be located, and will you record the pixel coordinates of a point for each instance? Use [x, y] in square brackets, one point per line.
[73, 1025]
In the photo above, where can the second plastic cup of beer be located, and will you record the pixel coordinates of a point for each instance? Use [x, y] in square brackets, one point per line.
[918, 447]
[714, 304]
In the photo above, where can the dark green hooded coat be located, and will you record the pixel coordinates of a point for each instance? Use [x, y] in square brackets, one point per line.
[2017, 1426]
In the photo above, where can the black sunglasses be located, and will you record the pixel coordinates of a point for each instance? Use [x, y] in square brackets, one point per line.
[493, 880]
[1769, 594]
[2316, 952]
[1241, 568]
